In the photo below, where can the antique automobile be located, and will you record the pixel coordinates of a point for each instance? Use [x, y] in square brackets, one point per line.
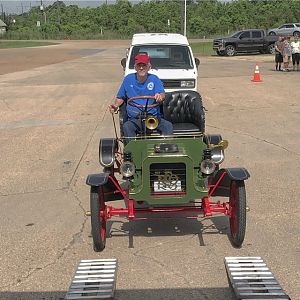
[167, 176]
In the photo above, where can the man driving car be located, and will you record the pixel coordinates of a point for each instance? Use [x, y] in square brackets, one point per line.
[141, 83]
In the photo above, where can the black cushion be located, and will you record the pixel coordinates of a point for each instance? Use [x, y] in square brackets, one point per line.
[185, 110]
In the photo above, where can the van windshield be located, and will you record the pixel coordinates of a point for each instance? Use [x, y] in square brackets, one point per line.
[164, 56]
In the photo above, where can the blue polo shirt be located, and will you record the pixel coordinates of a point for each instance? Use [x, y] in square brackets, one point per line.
[131, 87]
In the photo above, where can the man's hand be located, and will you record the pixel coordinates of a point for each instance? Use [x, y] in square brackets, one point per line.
[159, 97]
[113, 108]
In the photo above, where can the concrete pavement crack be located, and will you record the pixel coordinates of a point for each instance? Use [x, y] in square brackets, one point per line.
[70, 187]
[60, 254]
[7, 105]
[34, 192]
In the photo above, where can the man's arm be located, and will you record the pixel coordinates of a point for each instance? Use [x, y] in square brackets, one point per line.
[114, 107]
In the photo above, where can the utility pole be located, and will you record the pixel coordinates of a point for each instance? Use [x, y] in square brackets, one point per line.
[2, 12]
[184, 31]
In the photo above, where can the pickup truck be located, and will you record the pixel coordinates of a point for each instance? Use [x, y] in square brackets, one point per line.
[250, 40]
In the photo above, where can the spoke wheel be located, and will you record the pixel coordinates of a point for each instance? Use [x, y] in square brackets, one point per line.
[271, 49]
[230, 50]
[98, 221]
[237, 205]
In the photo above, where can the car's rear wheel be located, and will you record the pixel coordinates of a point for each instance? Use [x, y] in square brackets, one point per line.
[271, 49]
[296, 33]
[272, 33]
[230, 50]
[237, 206]
[98, 221]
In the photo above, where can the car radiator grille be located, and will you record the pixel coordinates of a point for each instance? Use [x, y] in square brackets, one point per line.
[216, 44]
[168, 179]
[171, 83]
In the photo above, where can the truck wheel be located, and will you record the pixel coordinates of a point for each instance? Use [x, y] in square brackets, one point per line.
[237, 205]
[98, 222]
[296, 33]
[220, 53]
[272, 33]
[271, 49]
[230, 50]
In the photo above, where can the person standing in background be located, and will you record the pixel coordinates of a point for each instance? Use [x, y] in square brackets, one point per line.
[295, 45]
[286, 53]
[278, 53]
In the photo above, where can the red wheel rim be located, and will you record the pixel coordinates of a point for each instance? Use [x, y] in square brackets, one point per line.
[102, 214]
[234, 209]
[102, 229]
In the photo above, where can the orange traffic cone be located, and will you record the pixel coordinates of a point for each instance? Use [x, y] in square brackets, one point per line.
[256, 77]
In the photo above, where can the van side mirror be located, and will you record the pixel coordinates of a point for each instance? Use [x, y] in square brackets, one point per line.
[197, 62]
[123, 63]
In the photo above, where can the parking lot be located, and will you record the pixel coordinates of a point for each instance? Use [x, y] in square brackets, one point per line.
[53, 110]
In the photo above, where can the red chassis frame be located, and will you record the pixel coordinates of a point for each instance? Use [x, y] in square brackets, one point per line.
[207, 207]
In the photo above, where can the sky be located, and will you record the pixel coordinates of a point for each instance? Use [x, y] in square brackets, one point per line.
[19, 6]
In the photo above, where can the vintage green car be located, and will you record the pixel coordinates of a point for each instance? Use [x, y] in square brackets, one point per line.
[167, 175]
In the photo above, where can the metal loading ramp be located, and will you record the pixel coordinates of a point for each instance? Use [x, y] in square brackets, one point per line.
[94, 279]
[250, 278]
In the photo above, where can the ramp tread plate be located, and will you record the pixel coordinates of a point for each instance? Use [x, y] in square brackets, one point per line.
[94, 279]
[250, 278]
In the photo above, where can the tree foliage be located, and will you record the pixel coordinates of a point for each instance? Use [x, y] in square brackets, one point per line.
[123, 18]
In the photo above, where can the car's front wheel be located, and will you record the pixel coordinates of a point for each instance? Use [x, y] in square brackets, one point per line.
[296, 33]
[272, 33]
[271, 49]
[237, 206]
[230, 50]
[98, 221]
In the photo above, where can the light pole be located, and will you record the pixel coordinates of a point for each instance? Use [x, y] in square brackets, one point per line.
[43, 11]
[184, 28]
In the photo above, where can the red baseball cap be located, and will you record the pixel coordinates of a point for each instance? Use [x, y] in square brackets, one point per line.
[142, 58]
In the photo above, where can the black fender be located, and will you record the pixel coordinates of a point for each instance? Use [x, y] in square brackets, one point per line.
[223, 188]
[110, 190]
[97, 179]
[107, 148]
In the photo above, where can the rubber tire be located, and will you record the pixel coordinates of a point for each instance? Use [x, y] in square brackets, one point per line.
[230, 50]
[220, 53]
[296, 33]
[271, 49]
[98, 223]
[237, 203]
[272, 33]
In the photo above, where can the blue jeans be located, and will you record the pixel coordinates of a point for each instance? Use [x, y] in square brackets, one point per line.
[132, 126]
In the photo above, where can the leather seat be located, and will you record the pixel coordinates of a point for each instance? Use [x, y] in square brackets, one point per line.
[185, 111]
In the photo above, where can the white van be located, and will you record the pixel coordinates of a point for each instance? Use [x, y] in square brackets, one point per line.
[171, 57]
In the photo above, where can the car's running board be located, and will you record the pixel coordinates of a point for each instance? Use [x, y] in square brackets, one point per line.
[94, 279]
[250, 278]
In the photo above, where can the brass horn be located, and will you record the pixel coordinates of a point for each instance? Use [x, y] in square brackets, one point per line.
[151, 122]
[222, 144]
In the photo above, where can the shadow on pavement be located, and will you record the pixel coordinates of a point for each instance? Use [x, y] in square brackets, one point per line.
[136, 294]
[167, 227]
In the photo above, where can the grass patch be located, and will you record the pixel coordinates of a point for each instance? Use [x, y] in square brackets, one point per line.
[22, 44]
[202, 48]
